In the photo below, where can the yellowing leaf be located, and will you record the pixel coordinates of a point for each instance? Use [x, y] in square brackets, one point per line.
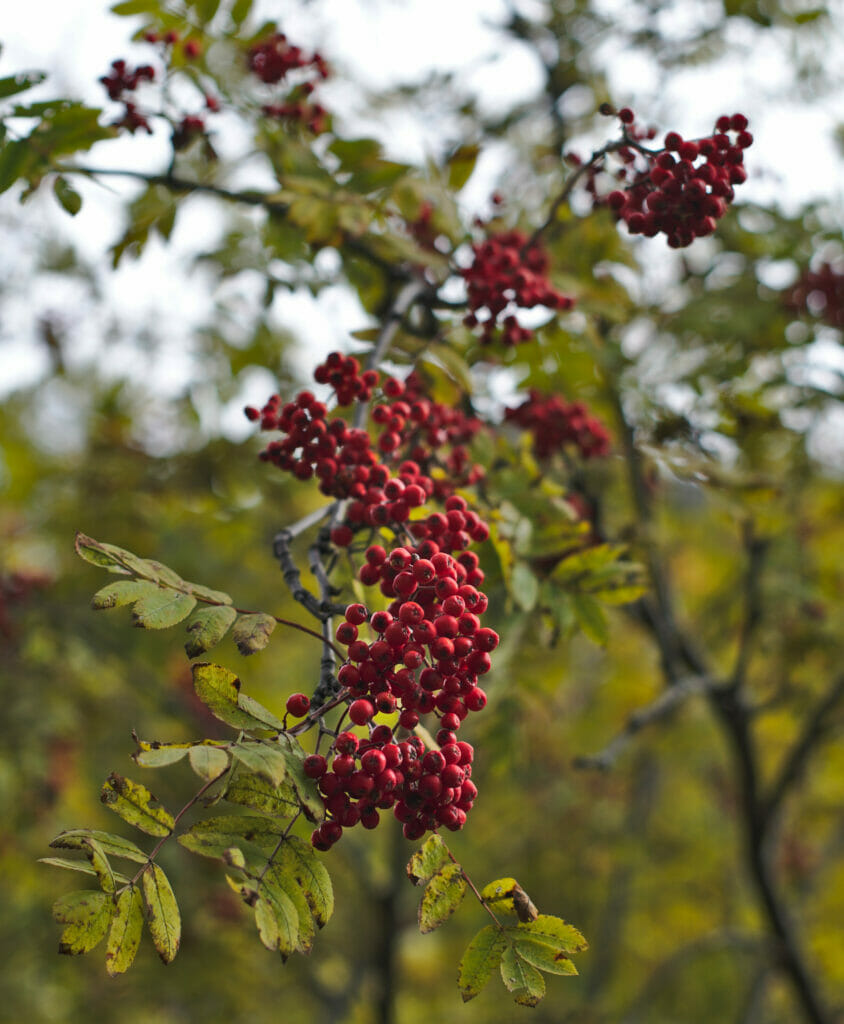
[136, 805]
[441, 898]
[124, 936]
[163, 918]
[86, 916]
[482, 956]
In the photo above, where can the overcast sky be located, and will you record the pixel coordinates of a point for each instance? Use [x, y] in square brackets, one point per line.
[380, 42]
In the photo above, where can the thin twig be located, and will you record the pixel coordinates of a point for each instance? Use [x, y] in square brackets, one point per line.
[475, 890]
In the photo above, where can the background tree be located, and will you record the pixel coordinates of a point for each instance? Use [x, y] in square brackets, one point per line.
[701, 859]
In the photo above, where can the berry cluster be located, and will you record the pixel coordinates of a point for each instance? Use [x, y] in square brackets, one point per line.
[426, 651]
[272, 60]
[508, 272]
[820, 293]
[385, 480]
[555, 423]
[122, 80]
[683, 189]
[425, 789]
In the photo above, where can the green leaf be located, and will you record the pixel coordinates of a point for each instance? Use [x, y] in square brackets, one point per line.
[427, 860]
[78, 865]
[219, 690]
[212, 837]
[461, 163]
[159, 755]
[111, 557]
[499, 894]
[252, 632]
[306, 788]
[240, 11]
[206, 9]
[116, 846]
[207, 627]
[136, 805]
[86, 916]
[99, 862]
[123, 592]
[129, 7]
[249, 789]
[544, 956]
[212, 596]
[14, 84]
[524, 586]
[274, 881]
[482, 956]
[68, 197]
[297, 859]
[263, 758]
[441, 898]
[554, 931]
[162, 609]
[521, 978]
[16, 160]
[591, 618]
[163, 920]
[265, 919]
[208, 761]
[285, 915]
[124, 936]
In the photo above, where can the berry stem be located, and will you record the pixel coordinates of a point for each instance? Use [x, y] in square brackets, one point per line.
[475, 890]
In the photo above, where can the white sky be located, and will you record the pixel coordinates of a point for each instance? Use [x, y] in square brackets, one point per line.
[379, 42]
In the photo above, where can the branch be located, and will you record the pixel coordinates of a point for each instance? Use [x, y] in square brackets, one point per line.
[794, 763]
[660, 708]
[250, 197]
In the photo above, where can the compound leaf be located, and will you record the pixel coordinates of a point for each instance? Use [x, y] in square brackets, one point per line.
[554, 931]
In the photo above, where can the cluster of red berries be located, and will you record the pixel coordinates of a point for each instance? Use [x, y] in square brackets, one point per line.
[122, 80]
[425, 789]
[556, 423]
[191, 48]
[188, 129]
[820, 293]
[272, 60]
[429, 651]
[683, 189]
[386, 480]
[508, 272]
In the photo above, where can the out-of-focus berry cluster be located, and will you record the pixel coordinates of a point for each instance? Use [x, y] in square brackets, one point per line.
[272, 60]
[508, 273]
[557, 424]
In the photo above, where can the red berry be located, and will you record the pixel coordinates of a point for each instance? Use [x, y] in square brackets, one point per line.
[361, 712]
[298, 705]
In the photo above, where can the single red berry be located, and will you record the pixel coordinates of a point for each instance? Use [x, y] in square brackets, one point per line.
[192, 49]
[298, 705]
[361, 712]
[315, 766]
